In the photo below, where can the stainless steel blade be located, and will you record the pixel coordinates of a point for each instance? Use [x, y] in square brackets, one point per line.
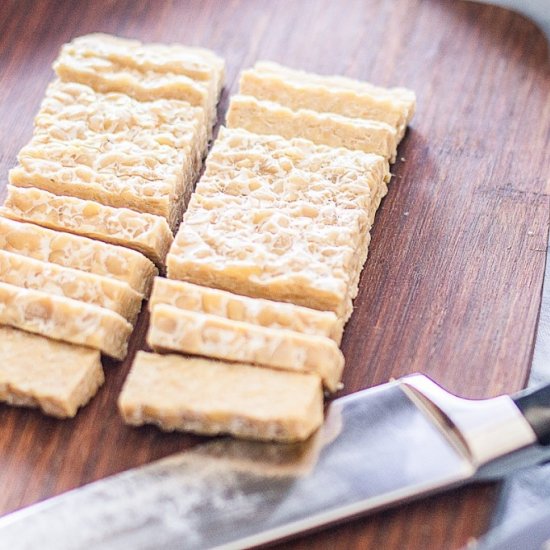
[234, 494]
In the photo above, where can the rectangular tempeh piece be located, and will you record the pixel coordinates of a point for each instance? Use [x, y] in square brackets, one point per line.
[145, 233]
[64, 319]
[38, 372]
[114, 150]
[78, 252]
[143, 71]
[211, 397]
[273, 169]
[72, 283]
[256, 311]
[267, 117]
[174, 329]
[351, 98]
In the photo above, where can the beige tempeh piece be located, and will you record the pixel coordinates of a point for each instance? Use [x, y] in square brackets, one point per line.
[143, 71]
[267, 117]
[273, 169]
[64, 319]
[78, 252]
[145, 233]
[71, 110]
[38, 372]
[350, 98]
[266, 313]
[174, 329]
[211, 397]
[72, 283]
[109, 171]
[300, 253]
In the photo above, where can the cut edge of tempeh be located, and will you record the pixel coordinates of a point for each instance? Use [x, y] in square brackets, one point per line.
[54, 376]
[404, 95]
[212, 397]
[145, 233]
[321, 97]
[268, 117]
[26, 272]
[177, 330]
[78, 252]
[64, 319]
[258, 311]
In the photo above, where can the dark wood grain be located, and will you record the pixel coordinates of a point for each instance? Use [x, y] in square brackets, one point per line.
[452, 286]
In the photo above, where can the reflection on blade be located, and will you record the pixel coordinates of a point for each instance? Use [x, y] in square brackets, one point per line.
[375, 448]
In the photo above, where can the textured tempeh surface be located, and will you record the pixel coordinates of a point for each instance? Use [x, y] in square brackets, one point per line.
[39, 372]
[144, 233]
[144, 71]
[101, 291]
[184, 331]
[64, 319]
[266, 313]
[268, 117]
[78, 252]
[191, 394]
[451, 288]
[333, 94]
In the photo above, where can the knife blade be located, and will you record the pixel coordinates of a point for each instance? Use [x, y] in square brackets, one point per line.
[378, 447]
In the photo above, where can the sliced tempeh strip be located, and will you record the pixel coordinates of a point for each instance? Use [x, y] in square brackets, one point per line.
[301, 90]
[173, 329]
[145, 72]
[119, 175]
[64, 319]
[274, 169]
[266, 313]
[38, 372]
[145, 233]
[72, 283]
[78, 252]
[211, 397]
[267, 117]
[298, 252]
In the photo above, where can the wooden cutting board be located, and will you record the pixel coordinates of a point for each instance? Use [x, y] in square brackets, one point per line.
[452, 286]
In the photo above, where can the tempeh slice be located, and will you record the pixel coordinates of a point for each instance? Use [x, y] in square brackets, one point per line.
[256, 311]
[64, 319]
[299, 90]
[78, 252]
[145, 72]
[121, 176]
[145, 233]
[404, 95]
[299, 253]
[174, 329]
[72, 283]
[267, 117]
[38, 372]
[211, 398]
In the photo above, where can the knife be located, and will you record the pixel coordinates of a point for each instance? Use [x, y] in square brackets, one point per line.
[377, 447]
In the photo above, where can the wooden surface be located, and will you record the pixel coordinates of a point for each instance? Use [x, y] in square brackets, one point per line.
[452, 286]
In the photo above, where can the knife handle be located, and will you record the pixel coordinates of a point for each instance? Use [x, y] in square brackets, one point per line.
[535, 407]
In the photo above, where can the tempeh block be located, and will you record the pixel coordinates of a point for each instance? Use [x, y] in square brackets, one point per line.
[211, 398]
[64, 319]
[72, 283]
[267, 117]
[174, 329]
[300, 253]
[145, 233]
[354, 99]
[256, 311]
[78, 252]
[145, 72]
[273, 169]
[38, 372]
